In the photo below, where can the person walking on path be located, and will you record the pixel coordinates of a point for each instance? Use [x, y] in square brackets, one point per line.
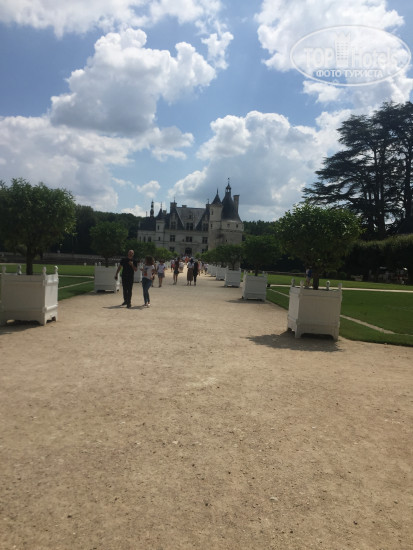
[196, 271]
[128, 266]
[189, 272]
[176, 271]
[161, 272]
[148, 274]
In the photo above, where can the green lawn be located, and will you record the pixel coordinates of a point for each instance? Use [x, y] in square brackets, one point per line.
[286, 280]
[388, 310]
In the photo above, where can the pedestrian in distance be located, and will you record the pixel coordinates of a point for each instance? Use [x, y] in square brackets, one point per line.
[196, 271]
[128, 266]
[148, 275]
[189, 272]
[176, 271]
[161, 272]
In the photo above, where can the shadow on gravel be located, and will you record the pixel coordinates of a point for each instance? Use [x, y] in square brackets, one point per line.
[287, 340]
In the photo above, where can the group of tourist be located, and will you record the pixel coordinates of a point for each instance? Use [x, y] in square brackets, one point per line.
[149, 269]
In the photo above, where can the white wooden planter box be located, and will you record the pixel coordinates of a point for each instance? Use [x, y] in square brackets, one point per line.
[255, 288]
[28, 297]
[212, 270]
[105, 278]
[314, 311]
[220, 273]
[232, 277]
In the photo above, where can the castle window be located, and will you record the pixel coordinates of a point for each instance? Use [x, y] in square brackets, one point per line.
[173, 225]
[188, 239]
[189, 227]
[172, 238]
[149, 239]
[172, 248]
[204, 240]
[204, 227]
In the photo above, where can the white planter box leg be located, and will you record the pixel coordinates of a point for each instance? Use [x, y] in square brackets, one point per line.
[314, 311]
[29, 297]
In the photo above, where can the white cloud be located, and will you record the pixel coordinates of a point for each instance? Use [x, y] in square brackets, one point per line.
[136, 211]
[217, 47]
[79, 17]
[118, 90]
[61, 157]
[268, 161]
[231, 138]
[282, 24]
[149, 189]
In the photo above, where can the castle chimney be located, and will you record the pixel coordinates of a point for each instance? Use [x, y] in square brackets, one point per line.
[236, 201]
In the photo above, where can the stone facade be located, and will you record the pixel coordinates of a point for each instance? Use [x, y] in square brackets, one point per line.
[192, 231]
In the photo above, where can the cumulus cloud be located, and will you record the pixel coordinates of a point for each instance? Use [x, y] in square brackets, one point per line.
[282, 24]
[149, 189]
[79, 17]
[60, 157]
[118, 90]
[268, 160]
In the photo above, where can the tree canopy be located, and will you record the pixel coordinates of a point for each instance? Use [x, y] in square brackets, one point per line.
[108, 239]
[260, 250]
[32, 218]
[319, 237]
[372, 175]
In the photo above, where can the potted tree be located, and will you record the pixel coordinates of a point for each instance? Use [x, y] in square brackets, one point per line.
[229, 256]
[320, 238]
[258, 251]
[32, 218]
[108, 240]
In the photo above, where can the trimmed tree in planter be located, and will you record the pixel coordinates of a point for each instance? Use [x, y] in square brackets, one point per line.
[320, 238]
[108, 240]
[259, 250]
[230, 255]
[32, 218]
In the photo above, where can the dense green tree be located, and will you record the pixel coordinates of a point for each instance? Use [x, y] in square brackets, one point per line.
[398, 251]
[258, 227]
[260, 251]
[108, 239]
[372, 176]
[319, 237]
[32, 218]
[229, 254]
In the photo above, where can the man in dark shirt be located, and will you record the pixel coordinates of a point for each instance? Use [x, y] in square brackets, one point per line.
[128, 266]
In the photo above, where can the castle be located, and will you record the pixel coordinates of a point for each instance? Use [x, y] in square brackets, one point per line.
[188, 231]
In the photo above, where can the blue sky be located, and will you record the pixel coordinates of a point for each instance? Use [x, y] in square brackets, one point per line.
[128, 101]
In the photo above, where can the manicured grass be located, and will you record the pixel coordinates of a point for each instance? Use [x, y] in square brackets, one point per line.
[388, 310]
[80, 286]
[286, 280]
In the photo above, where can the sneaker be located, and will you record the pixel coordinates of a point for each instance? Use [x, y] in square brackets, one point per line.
[124, 304]
[129, 306]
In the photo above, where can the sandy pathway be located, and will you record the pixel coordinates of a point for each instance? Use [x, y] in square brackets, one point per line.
[200, 423]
